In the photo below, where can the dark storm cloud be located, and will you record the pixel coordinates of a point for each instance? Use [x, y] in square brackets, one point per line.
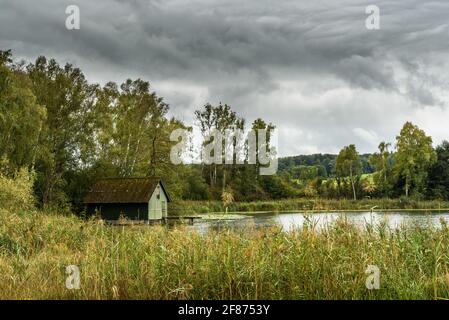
[308, 66]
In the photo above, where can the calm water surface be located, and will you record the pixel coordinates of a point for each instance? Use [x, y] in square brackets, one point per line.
[290, 221]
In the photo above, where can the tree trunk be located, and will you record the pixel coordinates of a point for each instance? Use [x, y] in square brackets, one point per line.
[215, 174]
[338, 187]
[153, 163]
[211, 178]
[224, 180]
[352, 183]
[136, 152]
[124, 168]
[406, 186]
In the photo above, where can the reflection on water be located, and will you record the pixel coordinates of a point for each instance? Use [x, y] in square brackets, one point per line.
[290, 221]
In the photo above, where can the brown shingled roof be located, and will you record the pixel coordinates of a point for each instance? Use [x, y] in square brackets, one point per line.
[123, 190]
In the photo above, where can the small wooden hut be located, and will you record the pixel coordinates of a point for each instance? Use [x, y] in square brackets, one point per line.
[133, 198]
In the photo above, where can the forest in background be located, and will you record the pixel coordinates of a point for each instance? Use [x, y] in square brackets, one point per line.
[62, 133]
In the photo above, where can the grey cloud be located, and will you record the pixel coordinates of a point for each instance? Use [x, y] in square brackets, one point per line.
[366, 72]
[278, 60]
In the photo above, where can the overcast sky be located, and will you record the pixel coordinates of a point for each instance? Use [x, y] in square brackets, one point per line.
[310, 67]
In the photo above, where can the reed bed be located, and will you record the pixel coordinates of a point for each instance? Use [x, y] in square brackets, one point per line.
[175, 263]
[308, 205]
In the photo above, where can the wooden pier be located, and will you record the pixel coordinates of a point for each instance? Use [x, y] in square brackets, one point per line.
[126, 222]
[190, 219]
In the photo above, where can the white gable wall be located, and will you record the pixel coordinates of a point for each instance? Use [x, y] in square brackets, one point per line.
[157, 208]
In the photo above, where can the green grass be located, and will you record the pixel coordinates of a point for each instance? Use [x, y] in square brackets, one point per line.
[305, 205]
[160, 263]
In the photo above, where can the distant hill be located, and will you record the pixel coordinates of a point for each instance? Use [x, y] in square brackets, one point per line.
[324, 162]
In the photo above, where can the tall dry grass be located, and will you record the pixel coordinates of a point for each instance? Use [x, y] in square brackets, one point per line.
[161, 263]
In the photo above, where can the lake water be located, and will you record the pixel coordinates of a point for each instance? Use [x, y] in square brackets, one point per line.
[290, 221]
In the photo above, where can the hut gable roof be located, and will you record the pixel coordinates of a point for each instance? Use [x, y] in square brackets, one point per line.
[123, 190]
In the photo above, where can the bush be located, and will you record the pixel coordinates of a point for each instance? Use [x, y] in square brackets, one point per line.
[16, 193]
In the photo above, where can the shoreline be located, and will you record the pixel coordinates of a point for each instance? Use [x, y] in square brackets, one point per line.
[186, 207]
[329, 211]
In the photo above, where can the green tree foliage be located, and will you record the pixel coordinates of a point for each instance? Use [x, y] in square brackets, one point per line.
[133, 132]
[275, 188]
[72, 132]
[16, 192]
[439, 173]
[414, 156]
[21, 118]
[218, 118]
[307, 173]
[68, 132]
[242, 178]
[382, 162]
[68, 100]
[324, 162]
[197, 188]
[348, 164]
[260, 124]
